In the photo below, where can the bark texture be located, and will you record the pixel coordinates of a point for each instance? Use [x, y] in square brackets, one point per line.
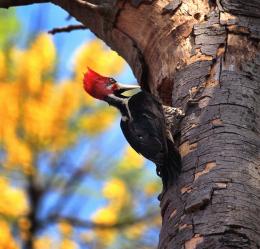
[216, 201]
[210, 48]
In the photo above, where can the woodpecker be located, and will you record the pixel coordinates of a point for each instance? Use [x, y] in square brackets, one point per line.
[145, 123]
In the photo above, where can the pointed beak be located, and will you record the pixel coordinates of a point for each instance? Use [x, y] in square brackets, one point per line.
[123, 88]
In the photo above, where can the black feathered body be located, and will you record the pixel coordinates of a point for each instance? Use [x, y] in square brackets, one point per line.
[143, 125]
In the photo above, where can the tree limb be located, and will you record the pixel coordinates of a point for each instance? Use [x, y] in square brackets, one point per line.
[90, 224]
[66, 29]
[12, 3]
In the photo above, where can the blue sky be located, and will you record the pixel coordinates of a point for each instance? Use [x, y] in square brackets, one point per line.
[44, 17]
[41, 18]
[109, 146]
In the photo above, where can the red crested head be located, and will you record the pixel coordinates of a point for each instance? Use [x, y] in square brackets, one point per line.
[98, 86]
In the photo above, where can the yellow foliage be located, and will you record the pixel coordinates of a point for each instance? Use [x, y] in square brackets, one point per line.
[24, 235]
[131, 160]
[88, 100]
[33, 63]
[29, 72]
[6, 239]
[46, 117]
[135, 231]
[65, 228]
[98, 121]
[116, 191]
[2, 65]
[24, 223]
[38, 108]
[97, 57]
[87, 236]
[35, 114]
[108, 216]
[10, 197]
[69, 95]
[18, 154]
[68, 244]
[43, 242]
[151, 188]
[39, 118]
[18, 151]
[15, 55]
[44, 47]
[41, 110]
[9, 110]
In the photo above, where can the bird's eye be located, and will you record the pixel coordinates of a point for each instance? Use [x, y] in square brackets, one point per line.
[111, 81]
[140, 136]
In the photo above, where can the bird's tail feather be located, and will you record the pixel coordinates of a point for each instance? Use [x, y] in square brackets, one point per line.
[170, 169]
[172, 165]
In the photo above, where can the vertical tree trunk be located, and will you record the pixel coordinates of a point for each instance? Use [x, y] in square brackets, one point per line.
[211, 48]
[216, 202]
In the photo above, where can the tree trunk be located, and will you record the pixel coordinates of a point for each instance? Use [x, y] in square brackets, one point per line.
[211, 49]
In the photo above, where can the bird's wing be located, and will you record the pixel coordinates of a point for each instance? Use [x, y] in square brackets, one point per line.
[146, 131]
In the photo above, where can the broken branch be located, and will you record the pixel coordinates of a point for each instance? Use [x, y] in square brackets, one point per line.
[66, 29]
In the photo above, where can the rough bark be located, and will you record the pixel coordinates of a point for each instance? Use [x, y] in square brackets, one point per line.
[216, 203]
[210, 48]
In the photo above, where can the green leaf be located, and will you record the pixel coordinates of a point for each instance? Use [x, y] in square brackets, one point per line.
[9, 26]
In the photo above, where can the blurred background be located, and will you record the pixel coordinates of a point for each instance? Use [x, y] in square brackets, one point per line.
[68, 178]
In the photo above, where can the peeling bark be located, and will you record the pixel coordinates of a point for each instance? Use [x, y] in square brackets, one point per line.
[218, 195]
[210, 48]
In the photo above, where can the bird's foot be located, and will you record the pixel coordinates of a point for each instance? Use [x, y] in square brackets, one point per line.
[173, 112]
